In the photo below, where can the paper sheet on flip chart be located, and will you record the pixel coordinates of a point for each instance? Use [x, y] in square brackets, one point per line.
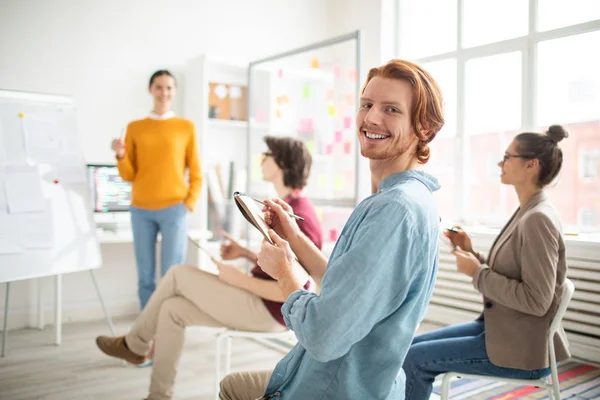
[23, 189]
[10, 235]
[46, 140]
[3, 203]
[37, 230]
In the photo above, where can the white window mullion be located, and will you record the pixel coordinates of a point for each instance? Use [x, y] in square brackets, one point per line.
[529, 90]
[462, 143]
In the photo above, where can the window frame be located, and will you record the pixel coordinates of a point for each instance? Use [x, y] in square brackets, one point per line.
[528, 46]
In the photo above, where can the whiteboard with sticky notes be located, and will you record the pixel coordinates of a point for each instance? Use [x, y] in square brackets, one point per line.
[46, 221]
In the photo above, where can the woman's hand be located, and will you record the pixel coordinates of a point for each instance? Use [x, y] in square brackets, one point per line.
[232, 249]
[229, 274]
[466, 262]
[118, 146]
[277, 217]
[459, 238]
[277, 261]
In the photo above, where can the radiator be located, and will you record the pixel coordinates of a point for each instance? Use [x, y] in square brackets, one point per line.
[455, 300]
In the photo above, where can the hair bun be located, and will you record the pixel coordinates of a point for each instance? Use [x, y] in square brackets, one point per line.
[557, 133]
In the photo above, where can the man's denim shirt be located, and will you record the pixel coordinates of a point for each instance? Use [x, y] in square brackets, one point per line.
[354, 336]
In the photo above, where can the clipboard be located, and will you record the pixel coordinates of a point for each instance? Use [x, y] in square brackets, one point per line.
[252, 213]
[197, 244]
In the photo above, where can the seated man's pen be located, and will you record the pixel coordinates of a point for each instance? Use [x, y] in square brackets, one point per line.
[288, 213]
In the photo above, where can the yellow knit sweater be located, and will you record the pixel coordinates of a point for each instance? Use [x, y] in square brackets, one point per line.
[157, 153]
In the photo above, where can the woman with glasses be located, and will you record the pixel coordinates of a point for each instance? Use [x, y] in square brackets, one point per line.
[521, 281]
[187, 296]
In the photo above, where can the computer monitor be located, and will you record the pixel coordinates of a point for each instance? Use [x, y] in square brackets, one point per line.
[109, 192]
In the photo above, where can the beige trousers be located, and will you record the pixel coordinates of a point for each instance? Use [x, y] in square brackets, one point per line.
[187, 296]
[245, 385]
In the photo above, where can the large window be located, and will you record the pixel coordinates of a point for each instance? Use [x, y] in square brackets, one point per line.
[505, 67]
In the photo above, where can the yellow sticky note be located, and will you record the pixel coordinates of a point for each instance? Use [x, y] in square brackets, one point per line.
[310, 145]
[339, 183]
[331, 110]
[322, 180]
[256, 170]
[319, 213]
[21, 115]
[314, 62]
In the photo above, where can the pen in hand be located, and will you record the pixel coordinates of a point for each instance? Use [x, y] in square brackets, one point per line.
[288, 213]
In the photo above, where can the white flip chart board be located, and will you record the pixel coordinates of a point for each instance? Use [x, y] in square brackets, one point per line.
[46, 222]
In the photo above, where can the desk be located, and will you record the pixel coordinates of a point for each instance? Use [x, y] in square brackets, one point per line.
[126, 236]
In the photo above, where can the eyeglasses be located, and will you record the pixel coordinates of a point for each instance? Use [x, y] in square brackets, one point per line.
[267, 154]
[507, 156]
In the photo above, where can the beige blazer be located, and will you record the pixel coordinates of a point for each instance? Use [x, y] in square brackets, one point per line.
[522, 288]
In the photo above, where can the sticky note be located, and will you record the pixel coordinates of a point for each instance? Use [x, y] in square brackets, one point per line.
[337, 71]
[349, 99]
[347, 147]
[314, 63]
[353, 74]
[319, 213]
[21, 115]
[256, 170]
[328, 148]
[306, 92]
[261, 116]
[330, 94]
[310, 145]
[347, 122]
[338, 136]
[278, 113]
[333, 235]
[331, 110]
[338, 183]
[322, 180]
[280, 74]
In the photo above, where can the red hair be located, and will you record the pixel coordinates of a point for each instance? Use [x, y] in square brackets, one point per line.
[427, 115]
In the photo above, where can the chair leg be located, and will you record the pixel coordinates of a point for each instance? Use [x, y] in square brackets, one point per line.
[445, 395]
[218, 365]
[228, 340]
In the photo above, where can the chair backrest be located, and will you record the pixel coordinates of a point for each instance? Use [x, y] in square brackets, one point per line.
[562, 308]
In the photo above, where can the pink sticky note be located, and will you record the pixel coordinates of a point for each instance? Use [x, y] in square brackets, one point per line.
[338, 136]
[347, 147]
[349, 98]
[328, 148]
[353, 74]
[261, 116]
[330, 94]
[347, 122]
[280, 74]
[333, 235]
[337, 71]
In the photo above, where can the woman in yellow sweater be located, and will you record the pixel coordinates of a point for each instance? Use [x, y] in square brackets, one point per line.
[154, 157]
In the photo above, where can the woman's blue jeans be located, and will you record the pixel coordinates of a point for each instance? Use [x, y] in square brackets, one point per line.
[171, 222]
[458, 348]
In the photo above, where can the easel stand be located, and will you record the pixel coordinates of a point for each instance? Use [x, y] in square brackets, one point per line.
[57, 310]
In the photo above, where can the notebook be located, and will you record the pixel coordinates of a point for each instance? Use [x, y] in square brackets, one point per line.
[252, 213]
[250, 210]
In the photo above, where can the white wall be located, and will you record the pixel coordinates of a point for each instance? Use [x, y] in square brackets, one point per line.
[102, 52]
